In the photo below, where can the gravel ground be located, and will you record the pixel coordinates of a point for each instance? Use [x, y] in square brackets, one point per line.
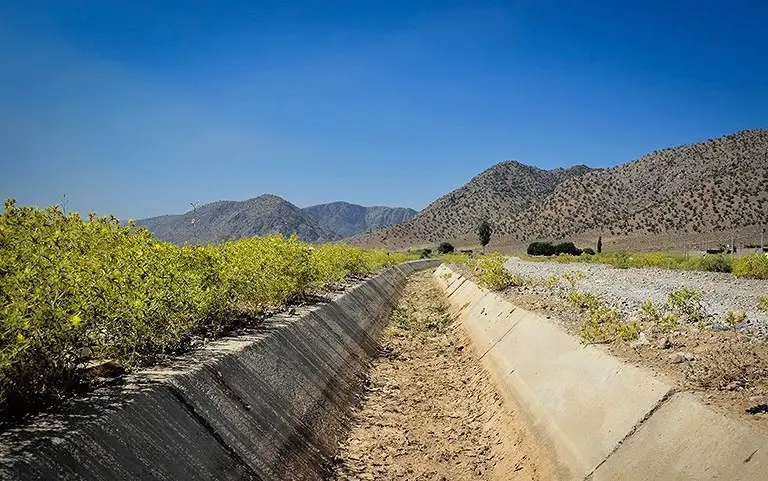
[629, 288]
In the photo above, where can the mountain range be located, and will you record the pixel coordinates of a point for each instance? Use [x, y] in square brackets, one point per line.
[713, 186]
[718, 187]
[269, 214]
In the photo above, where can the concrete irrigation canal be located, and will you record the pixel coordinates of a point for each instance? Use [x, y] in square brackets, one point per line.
[414, 374]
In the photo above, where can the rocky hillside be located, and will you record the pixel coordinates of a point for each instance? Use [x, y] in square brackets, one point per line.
[226, 220]
[711, 186]
[499, 194]
[348, 219]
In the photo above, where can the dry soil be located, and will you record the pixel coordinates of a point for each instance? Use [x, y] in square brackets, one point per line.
[430, 411]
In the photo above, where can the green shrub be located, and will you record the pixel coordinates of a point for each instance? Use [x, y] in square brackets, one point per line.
[716, 263]
[605, 325]
[734, 319]
[421, 253]
[453, 258]
[662, 319]
[686, 303]
[541, 249]
[762, 303]
[567, 248]
[752, 266]
[445, 248]
[491, 273]
[589, 251]
[585, 300]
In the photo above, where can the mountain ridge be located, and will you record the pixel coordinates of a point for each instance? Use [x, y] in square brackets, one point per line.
[224, 220]
[708, 186]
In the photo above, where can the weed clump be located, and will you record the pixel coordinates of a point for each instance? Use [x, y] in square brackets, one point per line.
[734, 319]
[490, 272]
[753, 267]
[762, 303]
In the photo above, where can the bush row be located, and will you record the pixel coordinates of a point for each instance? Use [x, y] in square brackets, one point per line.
[547, 249]
[73, 290]
[749, 266]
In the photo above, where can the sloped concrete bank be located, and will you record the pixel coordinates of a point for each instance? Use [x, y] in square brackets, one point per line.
[271, 406]
[601, 418]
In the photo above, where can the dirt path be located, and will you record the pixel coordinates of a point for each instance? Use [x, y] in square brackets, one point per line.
[430, 412]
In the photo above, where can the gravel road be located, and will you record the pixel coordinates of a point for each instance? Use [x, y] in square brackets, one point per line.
[629, 288]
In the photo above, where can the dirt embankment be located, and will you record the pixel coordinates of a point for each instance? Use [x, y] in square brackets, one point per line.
[431, 411]
[726, 368]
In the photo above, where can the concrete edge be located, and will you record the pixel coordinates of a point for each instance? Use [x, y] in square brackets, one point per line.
[601, 418]
[253, 407]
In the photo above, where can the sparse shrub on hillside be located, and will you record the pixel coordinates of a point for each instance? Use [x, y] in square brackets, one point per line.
[445, 248]
[752, 266]
[589, 251]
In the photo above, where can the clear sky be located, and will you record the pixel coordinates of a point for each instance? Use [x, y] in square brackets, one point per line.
[140, 107]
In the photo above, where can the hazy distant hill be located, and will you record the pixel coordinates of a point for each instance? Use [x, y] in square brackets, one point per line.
[348, 219]
[268, 214]
[225, 220]
[711, 186]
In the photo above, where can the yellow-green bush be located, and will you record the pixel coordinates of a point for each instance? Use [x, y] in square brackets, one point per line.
[490, 272]
[762, 303]
[454, 258]
[660, 260]
[70, 286]
[753, 266]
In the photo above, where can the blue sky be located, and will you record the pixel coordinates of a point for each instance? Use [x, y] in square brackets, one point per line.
[139, 108]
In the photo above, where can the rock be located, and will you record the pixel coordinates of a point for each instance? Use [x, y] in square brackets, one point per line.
[106, 368]
[733, 386]
[85, 354]
[676, 358]
[642, 340]
[664, 343]
[688, 356]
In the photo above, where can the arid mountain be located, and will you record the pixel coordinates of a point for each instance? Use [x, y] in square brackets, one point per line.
[712, 186]
[348, 219]
[226, 220]
[268, 214]
[498, 194]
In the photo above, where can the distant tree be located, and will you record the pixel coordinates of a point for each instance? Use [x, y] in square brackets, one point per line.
[541, 249]
[484, 232]
[567, 248]
[600, 244]
[445, 248]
